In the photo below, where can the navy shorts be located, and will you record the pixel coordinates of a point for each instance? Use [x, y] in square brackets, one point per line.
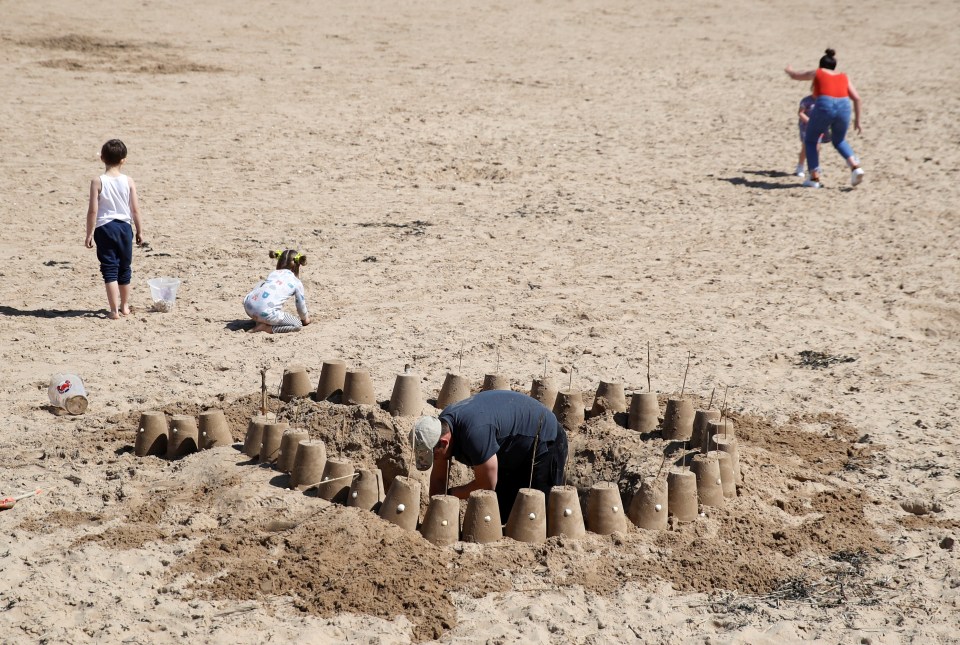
[114, 242]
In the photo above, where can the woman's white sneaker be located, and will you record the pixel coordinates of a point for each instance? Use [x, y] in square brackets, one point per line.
[799, 171]
[809, 183]
[856, 176]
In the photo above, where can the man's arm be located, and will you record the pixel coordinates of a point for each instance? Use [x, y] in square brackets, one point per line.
[438, 476]
[484, 478]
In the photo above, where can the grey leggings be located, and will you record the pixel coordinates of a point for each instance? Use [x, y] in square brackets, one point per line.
[288, 323]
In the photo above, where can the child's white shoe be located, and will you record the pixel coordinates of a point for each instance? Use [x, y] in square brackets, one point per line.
[856, 176]
[809, 183]
[799, 171]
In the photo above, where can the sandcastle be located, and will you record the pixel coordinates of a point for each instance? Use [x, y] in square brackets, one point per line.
[254, 436]
[700, 437]
[706, 467]
[682, 494]
[335, 483]
[528, 518]
[401, 506]
[183, 436]
[644, 412]
[610, 397]
[214, 430]
[332, 383]
[678, 420]
[649, 507]
[151, 434]
[455, 388]
[545, 391]
[407, 397]
[441, 523]
[569, 409]
[366, 490]
[289, 444]
[495, 382]
[720, 427]
[308, 465]
[706, 479]
[564, 516]
[729, 446]
[272, 439]
[481, 522]
[357, 388]
[605, 514]
[295, 383]
[727, 481]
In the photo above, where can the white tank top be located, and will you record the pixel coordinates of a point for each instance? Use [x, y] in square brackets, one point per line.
[114, 202]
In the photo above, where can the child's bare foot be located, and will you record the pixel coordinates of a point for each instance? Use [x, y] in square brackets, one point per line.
[113, 315]
[262, 327]
[126, 310]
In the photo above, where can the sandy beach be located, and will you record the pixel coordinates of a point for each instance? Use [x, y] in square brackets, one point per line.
[531, 190]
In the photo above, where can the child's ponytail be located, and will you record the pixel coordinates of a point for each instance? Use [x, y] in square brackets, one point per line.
[289, 259]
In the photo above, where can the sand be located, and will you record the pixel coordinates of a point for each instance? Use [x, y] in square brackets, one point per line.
[495, 188]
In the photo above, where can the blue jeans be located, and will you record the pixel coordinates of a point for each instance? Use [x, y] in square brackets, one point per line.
[829, 113]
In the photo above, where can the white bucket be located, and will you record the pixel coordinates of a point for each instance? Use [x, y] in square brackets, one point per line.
[67, 392]
[164, 293]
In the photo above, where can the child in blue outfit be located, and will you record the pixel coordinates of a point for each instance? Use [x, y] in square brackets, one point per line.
[112, 209]
[265, 303]
[803, 114]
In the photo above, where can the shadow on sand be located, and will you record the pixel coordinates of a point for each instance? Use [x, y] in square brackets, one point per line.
[240, 325]
[753, 183]
[51, 313]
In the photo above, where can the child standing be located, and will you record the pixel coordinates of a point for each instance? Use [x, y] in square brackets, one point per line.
[803, 114]
[113, 207]
[265, 303]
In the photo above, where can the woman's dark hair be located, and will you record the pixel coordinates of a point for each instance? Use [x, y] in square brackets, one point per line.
[827, 61]
[289, 259]
[113, 152]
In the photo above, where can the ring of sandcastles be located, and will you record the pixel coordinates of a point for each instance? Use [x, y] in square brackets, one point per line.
[706, 479]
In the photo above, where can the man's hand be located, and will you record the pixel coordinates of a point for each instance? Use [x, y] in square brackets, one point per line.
[89, 241]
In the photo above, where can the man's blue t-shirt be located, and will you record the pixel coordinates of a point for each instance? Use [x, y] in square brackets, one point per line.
[502, 423]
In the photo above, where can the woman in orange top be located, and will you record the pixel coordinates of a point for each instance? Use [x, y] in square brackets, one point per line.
[833, 92]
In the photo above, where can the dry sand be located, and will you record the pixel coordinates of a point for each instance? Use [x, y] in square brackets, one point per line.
[559, 182]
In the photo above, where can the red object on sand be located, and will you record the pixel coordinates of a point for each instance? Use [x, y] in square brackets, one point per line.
[9, 502]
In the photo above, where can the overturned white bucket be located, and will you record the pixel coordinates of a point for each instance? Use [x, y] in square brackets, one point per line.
[164, 293]
[66, 391]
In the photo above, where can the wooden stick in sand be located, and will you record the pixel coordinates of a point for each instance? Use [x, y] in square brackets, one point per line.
[533, 457]
[263, 391]
[662, 462]
[335, 479]
[712, 392]
[682, 388]
[649, 389]
[723, 411]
